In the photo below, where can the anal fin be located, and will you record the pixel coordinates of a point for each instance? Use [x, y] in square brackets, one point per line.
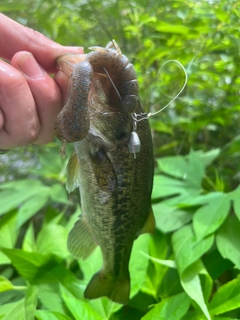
[149, 226]
[80, 240]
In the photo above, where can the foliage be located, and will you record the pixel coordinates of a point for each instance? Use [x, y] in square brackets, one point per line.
[189, 269]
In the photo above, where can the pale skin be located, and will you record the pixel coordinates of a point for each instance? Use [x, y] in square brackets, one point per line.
[29, 98]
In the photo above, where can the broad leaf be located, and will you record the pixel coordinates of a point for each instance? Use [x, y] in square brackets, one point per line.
[228, 240]
[209, 218]
[170, 218]
[78, 308]
[187, 252]
[52, 239]
[172, 308]
[30, 302]
[226, 298]
[5, 284]
[50, 315]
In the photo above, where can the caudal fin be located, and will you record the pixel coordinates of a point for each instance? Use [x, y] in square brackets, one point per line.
[103, 284]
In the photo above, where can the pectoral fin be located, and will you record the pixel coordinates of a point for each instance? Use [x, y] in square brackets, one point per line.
[103, 170]
[80, 240]
[73, 167]
[149, 226]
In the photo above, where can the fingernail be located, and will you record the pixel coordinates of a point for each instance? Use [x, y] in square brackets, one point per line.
[29, 66]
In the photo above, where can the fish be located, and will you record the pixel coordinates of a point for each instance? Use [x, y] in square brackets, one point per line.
[114, 176]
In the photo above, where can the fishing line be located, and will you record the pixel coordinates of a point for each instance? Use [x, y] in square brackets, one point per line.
[145, 116]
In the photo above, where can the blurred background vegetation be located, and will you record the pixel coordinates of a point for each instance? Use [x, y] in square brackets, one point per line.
[202, 35]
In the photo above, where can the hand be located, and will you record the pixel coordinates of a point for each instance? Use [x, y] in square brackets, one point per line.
[29, 98]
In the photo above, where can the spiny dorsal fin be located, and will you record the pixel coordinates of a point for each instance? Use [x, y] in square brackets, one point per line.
[149, 226]
[80, 240]
[72, 173]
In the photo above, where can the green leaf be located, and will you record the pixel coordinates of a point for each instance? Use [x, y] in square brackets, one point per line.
[187, 248]
[228, 239]
[32, 206]
[170, 28]
[170, 218]
[29, 243]
[14, 194]
[52, 239]
[173, 308]
[50, 298]
[189, 170]
[79, 308]
[209, 218]
[38, 268]
[27, 263]
[226, 298]
[50, 315]
[235, 196]
[138, 265]
[59, 193]
[16, 312]
[8, 232]
[30, 302]
[187, 253]
[5, 284]
[190, 281]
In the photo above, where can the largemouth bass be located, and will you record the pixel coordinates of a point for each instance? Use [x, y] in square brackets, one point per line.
[115, 184]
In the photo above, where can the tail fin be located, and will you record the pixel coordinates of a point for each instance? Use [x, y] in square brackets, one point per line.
[103, 284]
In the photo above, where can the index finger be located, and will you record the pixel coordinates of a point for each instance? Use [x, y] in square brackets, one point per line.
[15, 37]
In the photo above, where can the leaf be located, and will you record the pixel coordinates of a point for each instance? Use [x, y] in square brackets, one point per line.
[187, 248]
[30, 207]
[187, 252]
[59, 193]
[170, 218]
[30, 302]
[209, 218]
[50, 315]
[169, 28]
[208, 157]
[5, 284]
[14, 194]
[190, 281]
[27, 263]
[235, 196]
[226, 298]
[52, 239]
[50, 298]
[8, 232]
[138, 265]
[189, 170]
[79, 308]
[16, 312]
[173, 308]
[38, 269]
[29, 243]
[228, 239]
[168, 263]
